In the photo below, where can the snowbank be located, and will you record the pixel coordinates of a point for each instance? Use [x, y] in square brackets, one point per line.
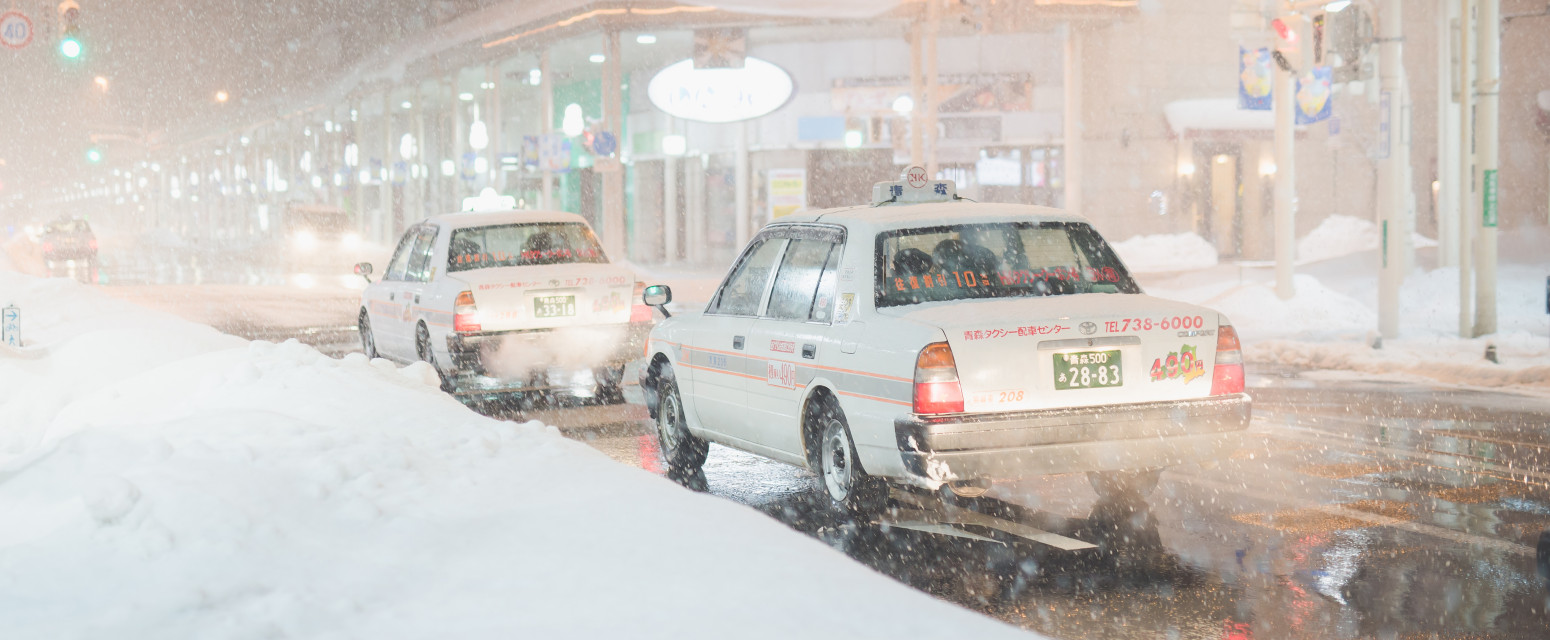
[162, 480]
[1341, 235]
[1314, 312]
[1166, 252]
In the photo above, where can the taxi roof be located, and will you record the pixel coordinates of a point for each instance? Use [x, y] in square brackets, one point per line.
[915, 215]
[516, 216]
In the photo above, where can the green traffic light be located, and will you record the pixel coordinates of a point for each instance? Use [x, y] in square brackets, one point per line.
[94, 155]
[70, 48]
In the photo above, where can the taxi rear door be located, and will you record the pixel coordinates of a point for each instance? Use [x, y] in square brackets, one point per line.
[385, 302]
[791, 335]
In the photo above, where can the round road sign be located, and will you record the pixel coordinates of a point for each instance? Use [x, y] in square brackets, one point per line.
[15, 30]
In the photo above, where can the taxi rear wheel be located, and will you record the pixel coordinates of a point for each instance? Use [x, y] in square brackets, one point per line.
[849, 487]
[422, 348]
[684, 453]
[368, 341]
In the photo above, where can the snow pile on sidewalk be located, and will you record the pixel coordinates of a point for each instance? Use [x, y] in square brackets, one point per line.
[161, 480]
[1320, 328]
[1341, 235]
[1165, 252]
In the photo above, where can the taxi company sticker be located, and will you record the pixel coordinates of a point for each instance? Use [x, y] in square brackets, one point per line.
[847, 305]
[847, 274]
[1184, 363]
[781, 374]
[783, 346]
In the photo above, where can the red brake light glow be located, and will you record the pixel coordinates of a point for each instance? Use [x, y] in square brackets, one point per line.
[463, 314]
[639, 312]
[937, 389]
[1227, 375]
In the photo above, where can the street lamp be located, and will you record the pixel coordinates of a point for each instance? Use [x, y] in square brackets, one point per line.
[222, 96]
[102, 83]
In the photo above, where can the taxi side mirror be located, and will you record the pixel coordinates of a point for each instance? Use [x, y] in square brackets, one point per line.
[658, 295]
[363, 269]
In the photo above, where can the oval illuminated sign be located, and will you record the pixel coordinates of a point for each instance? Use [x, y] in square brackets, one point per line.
[720, 95]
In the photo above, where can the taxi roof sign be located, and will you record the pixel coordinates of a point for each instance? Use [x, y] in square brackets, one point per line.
[914, 186]
[488, 201]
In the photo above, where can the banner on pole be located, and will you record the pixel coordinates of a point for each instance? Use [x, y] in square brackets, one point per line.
[1383, 126]
[1254, 79]
[1313, 96]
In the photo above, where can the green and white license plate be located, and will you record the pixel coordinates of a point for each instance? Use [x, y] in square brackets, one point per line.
[1087, 370]
[554, 306]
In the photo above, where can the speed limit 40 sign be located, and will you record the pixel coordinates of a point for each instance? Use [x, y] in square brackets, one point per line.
[15, 30]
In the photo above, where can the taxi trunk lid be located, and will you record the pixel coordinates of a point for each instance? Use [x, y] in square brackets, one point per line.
[548, 296]
[1076, 350]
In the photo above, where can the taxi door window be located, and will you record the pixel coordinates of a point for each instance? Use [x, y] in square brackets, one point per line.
[399, 265]
[797, 282]
[742, 292]
[420, 257]
[823, 304]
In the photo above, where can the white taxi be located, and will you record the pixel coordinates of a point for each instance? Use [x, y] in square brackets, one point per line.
[936, 343]
[503, 301]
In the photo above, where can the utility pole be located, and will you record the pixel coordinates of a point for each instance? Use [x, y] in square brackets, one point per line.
[917, 98]
[1390, 171]
[1490, 80]
[546, 92]
[1448, 169]
[1285, 199]
[933, 25]
[1466, 152]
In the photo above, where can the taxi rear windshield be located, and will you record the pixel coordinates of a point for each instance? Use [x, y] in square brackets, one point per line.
[1000, 260]
[520, 245]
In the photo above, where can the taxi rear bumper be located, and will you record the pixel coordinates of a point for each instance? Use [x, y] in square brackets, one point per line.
[469, 350]
[1114, 437]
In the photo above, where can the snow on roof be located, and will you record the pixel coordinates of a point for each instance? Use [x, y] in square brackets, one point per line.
[520, 216]
[939, 213]
[804, 8]
[1215, 114]
[1544, 100]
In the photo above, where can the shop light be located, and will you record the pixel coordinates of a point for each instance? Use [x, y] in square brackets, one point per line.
[646, 38]
[597, 57]
[1186, 169]
[465, 97]
[352, 154]
[535, 76]
[448, 168]
[903, 105]
[572, 124]
[674, 145]
[1267, 168]
[407, 147]
[406, 104]
[481, 164]
[852, 139]
[478, 136]
[1337, 6]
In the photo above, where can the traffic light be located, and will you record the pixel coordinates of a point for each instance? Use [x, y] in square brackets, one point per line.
[93, 155]
[69, 30]
[1293, 43]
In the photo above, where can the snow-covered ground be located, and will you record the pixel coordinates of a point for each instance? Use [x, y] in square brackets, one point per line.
[160, 479]
[1331, 322]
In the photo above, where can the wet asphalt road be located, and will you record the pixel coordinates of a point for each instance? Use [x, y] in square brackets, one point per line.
[1353, 510]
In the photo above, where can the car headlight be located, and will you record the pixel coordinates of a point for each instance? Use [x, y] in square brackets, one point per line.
[305, 240]
[351, 241]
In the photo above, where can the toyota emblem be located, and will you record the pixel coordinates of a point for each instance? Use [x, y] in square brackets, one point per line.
[1088, 328]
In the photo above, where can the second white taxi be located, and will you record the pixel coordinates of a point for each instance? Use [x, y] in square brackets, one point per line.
[931, 342]
[505, 302]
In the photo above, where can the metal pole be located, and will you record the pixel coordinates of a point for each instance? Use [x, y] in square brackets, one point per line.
[1285, 197]
[741, 183]
[547, 126]
[1466, 162]
[389, 221]
[1071, 156]
[1390, 173]
[934, 23]
[1447, 137]
[613, 168]
[918, 98]
[670, 209]
[1488, 86]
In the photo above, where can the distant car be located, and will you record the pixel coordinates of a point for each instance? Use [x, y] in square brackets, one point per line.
[65, 240]
[944, 345]
[507, 302]
[319, 239]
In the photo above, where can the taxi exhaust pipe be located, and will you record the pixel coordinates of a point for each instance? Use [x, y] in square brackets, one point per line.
[969, 488]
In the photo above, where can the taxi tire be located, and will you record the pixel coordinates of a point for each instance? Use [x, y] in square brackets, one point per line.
[683, 452]
[850, 489]
[368, 339]
[422, 348]
[1124, 484]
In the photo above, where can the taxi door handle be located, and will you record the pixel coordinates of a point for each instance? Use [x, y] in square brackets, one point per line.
[809, 351]
[391, 296]
[737, 342]
[417, 298]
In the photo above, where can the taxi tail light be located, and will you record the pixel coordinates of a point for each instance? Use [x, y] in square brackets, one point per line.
[92, 244]
[937, 389]
[463, 313]
[1227, 375]
[639, 312]
[48, 247]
